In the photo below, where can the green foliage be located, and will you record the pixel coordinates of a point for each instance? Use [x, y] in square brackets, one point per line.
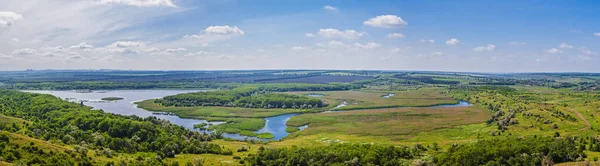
[512, 151]
[112, 98]
[265, 135]
[32, 154]
[243, 126]
[251, 97]
[55, 119]
[291, 129]
[335, 154]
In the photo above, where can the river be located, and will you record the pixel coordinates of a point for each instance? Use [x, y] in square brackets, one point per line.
[275, 125]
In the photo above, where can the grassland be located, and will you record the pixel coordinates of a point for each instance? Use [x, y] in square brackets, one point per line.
[374, 99]
[390, 122]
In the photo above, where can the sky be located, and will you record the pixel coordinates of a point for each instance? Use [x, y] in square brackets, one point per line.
[430, 35]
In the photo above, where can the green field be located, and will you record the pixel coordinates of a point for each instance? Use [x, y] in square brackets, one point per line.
[373, 99]
[391, 123]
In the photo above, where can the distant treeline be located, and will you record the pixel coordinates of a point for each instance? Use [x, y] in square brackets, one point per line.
[506, 151]
[261, 96]
[55, 120]
[118, 85]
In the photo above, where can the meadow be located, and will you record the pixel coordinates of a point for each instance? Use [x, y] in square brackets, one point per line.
[389, 123]
[375, 99]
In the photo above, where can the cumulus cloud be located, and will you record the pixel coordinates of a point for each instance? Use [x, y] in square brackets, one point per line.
[309, 35]
[82, 46]
[565, 45]
[453, 42]
[395, 35]
[386, 21]
[369, 45]
[298, 48]
[139, 3]
[8, 18]
[597, 34]
[224, 30]
[330, 8]
[216, 33]
[553, 51]
[489, 47]
[334, 33]
[24, 51]
[427, 41]
[123, 47]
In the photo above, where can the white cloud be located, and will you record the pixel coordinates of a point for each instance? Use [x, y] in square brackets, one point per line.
[309, 35]
[553, 51]
[153, 49]
[197, 53]
[437, 53]
[565, 45]
[82, 46]
[395, 35]
[175, 50]
[516, 43]
[216, 33]
[330, 8]
[123, 47]
[332, 43]
[8, 18]
[24, 51]
[139, 3]
[334, 33]
[166, 52]
[453, 42]
[489, 47]
[427, 40]
[298, 48]
[586, 51]
[386, 21]
[369, 45]
[224, 30]
[597, 34]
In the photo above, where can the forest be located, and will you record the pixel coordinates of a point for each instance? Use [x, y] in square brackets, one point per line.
[519, 151]
[52, 119]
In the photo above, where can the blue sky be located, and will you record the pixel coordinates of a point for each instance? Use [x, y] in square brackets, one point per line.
[469, 35]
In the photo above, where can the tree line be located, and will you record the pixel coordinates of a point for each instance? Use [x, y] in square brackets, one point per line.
[261, 96]
[505, 151]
